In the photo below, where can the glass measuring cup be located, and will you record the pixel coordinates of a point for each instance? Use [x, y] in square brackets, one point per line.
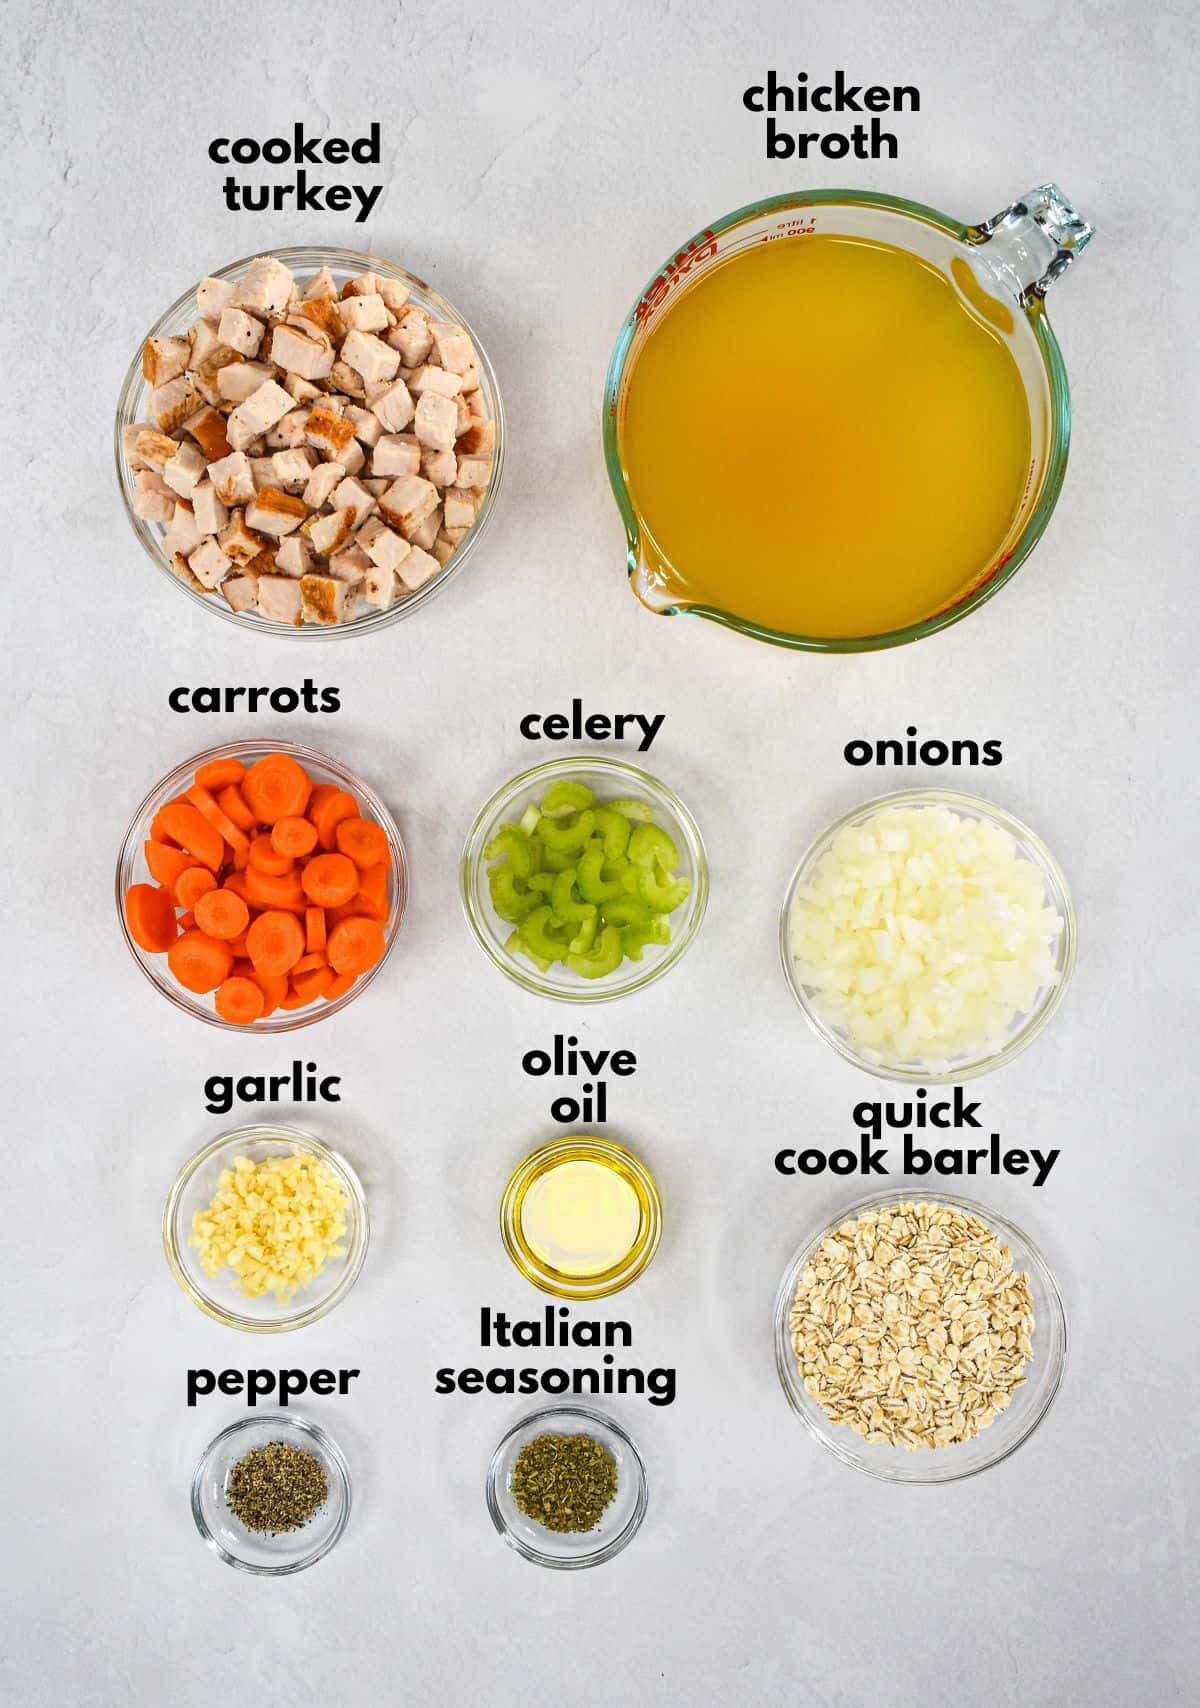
[1001, 267]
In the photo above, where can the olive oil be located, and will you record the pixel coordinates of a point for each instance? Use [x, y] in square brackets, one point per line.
[825, 436]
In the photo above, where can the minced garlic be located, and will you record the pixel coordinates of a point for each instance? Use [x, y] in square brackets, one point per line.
[274, 1223]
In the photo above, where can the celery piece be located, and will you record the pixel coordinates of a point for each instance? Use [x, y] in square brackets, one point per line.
[651, 846]
[511, 843]
[631, 876]
[637, 811]
[604, 957]
[529, 818]
[568, 909]
[509, 902]
[661, 893]
[613, 828]
[634, 938]
[515, 946]
[566, 797]
[542, 937]
[626, 910]
[543, 883]
[553, 861]
[589, 879]
[567, 835]
[586, 935]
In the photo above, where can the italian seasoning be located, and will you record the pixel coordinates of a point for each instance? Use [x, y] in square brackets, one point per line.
[564, 1482]
[276, 1488]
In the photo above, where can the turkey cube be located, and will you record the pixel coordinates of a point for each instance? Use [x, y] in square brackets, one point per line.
[238, 541]
[207, 428]
[170, 405]
[370, 356]
[324, 599]
[184, 469]
[379, 586]
[350, 564]
[262, 409]
[232, 478]
[351, 496]
[480, 437]
[294, 556]
[441, 467]
[302, 390]
[293, 469]
[474, 471]
[308, 354]
[279, 599]
[263, 471]
[394, 407]
[427, 533]
[385, 548]
[320, 285]
[407, 502]
[238, 381]
[209, 564]
[394, 294]
[266, 287]
[153, 499]
[455, 352]
[329, 532]
[213, 297]
[364, 313]
[351, 458]
[288, 432]
[321, 483]
[320, 319]
[164, 359]
[432, 378]
[412, 338]
[443, 549]
[328, 432]
[240, 592]
[152, 449]
[276, 512]
[417, 568]
[202, 341]
[368, 428]
[436, 421]
[211, 515]
[183, 536]
[240, 331]
[460, 507]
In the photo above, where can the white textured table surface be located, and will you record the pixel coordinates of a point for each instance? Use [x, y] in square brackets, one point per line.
[540, 161]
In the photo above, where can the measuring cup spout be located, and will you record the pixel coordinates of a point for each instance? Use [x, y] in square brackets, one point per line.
[1028, 245]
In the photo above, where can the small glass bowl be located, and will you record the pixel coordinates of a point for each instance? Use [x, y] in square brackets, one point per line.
[247, 1550]
[217, 1297]
[132, 869]
[1024, 1027]
[582, 1147]
[619, 1524]
[610, 779]
[343, 264]
[1029, 1405]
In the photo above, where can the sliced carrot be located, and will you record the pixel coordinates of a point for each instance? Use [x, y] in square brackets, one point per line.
[373, 893]
[276, 787]
[356, 945]
[236, 881]
[180, 822]
[206, 803]
[293, 1000]
[167, 864]
[186, 920]
[339, 987]
[241, 858]
[261, 889]
[363, 841]
[274, 988]
[237, 945]
[294, 837]
[308, 962]
[314, 929]
[193, 884]
[321, 792]
[275, 942]
[156, 832]
[220, 773]
[265, 858]
[329, 879]
[199, 962]
[150, 916]
[233, 804]
[332, 810]
[222, 914]
[240, 1001]
[312, 984]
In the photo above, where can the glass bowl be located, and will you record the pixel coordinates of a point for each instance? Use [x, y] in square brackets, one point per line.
[343, 264]
[247, 1550]
[217, 1297]
[1024, 1027]
[619, 1523]
[581, 1147]
[1011, 1427]
[610, 779]
[132, 869]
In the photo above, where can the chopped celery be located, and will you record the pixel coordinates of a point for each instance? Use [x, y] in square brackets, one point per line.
[637, 811]
[591, 884]
[651, 846]
[567, 835]
[564, 797]
[529, 818]
[636, 937]
[604, 957]
[543, 882]
[566, 905]
[539, 934]
[511, 843]
[613, 828]
[553, 861]
[515, 946]
[661, 893]
[627, 910]
[586, 935]
[509, 902]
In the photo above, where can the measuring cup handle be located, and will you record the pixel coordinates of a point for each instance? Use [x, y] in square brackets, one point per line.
[1034, 241]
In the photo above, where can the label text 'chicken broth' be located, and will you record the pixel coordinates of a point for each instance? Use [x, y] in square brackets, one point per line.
[821, 436]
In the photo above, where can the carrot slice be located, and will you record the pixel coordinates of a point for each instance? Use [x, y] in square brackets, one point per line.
[329, 879]
[363, 841]
[206, 803]
[312, 984]
[236, 881]
[294, 837]
[186, 920]
[308, 962]
[240, 1001]
[314, 929]
[275, 942]
[293, 1000]
[193, 884]
[150, 916]
[167, 864]
[237, 945]
[339, 987]
[261, 889]
[233, 804]
[265, 858]
[222, 914]
[220, 773]
[273, 986]
[276, 787]
[373, 893]
[180, 822]
[199, 962]
[356, 945]
[332, 810]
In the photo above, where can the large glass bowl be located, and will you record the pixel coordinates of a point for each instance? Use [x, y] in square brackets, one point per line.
[343, 264]
[1012, 258]
[1024, 1027]
[609, 779]
[567, 1551]
[248, 1550]
[1013, 1426]
[132, 869]
[193, 1189]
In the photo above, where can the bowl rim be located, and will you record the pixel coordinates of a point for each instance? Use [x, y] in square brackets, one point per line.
[1059, 894]
[174, 1237]
[333, 1455]
[615, 1544]
[130, 850]
[829, 1435]
[1058, 438]
[472, 857]
[539, 1160]
[352, 261]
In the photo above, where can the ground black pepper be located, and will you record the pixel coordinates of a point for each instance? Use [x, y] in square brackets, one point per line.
[276, 1488]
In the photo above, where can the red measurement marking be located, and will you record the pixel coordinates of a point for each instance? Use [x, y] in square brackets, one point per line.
[700, 249]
